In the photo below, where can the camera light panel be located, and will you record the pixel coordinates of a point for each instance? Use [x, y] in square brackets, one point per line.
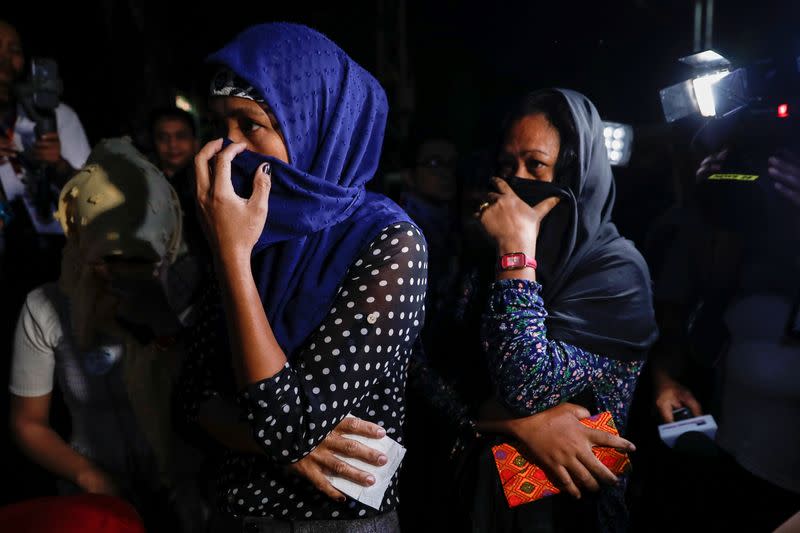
[618, 140]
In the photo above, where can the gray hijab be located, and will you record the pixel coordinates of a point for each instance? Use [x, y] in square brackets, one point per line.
[596, 287]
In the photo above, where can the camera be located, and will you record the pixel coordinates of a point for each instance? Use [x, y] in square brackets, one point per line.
[39, 96]
[682, 413]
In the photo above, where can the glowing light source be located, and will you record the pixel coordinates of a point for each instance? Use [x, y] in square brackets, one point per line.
[181, 102]
[783, 110]
[618, 141]
[703, 92]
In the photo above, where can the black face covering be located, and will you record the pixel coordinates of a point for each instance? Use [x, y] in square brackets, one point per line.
[549, 250]
[534, 192]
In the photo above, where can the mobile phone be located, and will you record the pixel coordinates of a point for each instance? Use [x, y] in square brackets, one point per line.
[681, 413]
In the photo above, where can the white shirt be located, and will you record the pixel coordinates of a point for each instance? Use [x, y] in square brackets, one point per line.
[74, 145]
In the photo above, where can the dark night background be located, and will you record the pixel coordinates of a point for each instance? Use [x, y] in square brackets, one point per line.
[119, 59]
[117, 56]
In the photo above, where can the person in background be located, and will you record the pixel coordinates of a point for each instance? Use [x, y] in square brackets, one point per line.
[61, 152]
[727, 297]
[109, 334]
[430, 201]
[174, 137]
[28, 257]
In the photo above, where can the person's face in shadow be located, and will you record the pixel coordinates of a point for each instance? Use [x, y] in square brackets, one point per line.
[530, 149]
[246, 121]
[175, 144]
[12, 60]
[434, 175]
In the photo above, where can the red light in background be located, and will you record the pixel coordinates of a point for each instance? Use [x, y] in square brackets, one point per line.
[783, 110]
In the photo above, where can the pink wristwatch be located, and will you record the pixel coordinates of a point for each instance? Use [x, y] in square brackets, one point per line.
[516, 261]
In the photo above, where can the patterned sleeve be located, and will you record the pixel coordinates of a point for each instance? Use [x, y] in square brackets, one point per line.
[375, 318]
[531, 372]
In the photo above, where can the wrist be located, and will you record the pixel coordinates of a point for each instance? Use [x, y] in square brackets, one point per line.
[662, 380]
[232, 259]
[85, 475]
[527, 247]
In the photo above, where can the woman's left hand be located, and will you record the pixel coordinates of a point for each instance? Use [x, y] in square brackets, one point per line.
[325, 457]
[513, 224]
[232, 224]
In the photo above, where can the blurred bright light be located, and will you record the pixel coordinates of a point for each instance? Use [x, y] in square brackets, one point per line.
[704, 94]
[181, 102]
[783, 110]
[618, 141]
[708, 56]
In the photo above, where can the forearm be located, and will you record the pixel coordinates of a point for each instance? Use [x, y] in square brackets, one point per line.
[46, 448]
[219, 419]
[255, 351]
[529, 371]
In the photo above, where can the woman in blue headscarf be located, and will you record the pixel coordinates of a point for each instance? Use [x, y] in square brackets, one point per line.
[322, 283]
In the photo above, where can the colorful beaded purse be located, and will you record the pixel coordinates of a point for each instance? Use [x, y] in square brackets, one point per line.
[525, 482]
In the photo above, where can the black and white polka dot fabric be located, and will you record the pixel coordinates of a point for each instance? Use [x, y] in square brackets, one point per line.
[355, 362]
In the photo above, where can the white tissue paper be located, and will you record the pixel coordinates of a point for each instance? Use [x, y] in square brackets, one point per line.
[372, 496]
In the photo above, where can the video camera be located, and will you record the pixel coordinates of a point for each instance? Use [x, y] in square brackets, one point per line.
[39, 96]
[754, 110]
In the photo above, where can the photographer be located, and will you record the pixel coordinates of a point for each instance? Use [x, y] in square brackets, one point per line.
[60, 152]
[724, 299]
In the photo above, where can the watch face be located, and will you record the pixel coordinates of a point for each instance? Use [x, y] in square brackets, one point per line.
[512, 261]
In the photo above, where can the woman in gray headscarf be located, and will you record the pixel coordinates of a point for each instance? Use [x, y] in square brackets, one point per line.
[568, 316]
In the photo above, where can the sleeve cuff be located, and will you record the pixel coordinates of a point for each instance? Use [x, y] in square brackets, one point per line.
[510, 294]
[271, 391]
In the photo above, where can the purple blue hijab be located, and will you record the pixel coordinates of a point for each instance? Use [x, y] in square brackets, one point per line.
[332, 114]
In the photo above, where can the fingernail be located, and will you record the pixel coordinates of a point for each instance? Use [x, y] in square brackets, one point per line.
[381, 432]
[370, 480]
[266, 168]
[382, 460]
[341, 499]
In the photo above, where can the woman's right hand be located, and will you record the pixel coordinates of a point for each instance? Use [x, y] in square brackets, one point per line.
[232, 224]
[95, 481]
[560, 445]
[323, 460]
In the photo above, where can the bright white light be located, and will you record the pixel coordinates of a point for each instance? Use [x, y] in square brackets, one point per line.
[618, 140]
[181, 102]
[704, 94]
[708, 56]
